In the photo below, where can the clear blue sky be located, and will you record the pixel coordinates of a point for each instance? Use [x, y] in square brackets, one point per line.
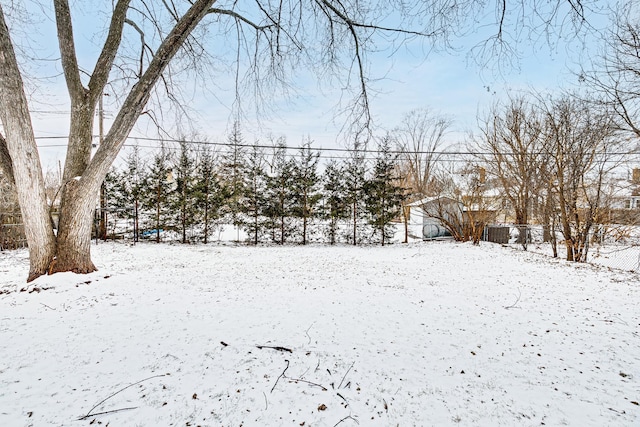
[448, 83]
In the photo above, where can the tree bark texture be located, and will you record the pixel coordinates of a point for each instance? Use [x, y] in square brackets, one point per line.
[21, 148]
[74, 231]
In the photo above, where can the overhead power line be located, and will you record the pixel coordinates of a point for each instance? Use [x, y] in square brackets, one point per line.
[316, 149]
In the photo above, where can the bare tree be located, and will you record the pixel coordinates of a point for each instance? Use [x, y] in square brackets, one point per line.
[420, 139]
[511, 146]
[616, 72]
[463, 205]
[69, 249]
[583, 146]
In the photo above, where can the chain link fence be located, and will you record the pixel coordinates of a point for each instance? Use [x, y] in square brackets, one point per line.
[613, 246]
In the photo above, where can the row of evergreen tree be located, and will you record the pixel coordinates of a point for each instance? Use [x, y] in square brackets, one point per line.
[273, 194]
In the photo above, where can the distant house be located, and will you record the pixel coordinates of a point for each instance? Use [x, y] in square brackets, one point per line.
[624, 202]
[421, 215]
[436, 216]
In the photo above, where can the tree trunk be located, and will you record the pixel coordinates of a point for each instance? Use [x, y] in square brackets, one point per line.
[22, 149]
[136, 229]
[206, 212]
[304, 230]
[80, 195]
[382, 219]
[554, 240]
[80, 138]
[158, 214]
[103, 213]
[405, 216]
[304, 218]
[183, 218]
[355, 222]
[74, 230]
[255, 229]
[282, 230]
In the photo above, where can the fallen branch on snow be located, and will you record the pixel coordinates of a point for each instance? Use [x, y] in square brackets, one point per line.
[346, 418]
[307, 382]
[89, 414]
[307, 332]
[281, 375]
[345, 375]
[515, 303]
[106, 412]
[345, 400]
[278, 348]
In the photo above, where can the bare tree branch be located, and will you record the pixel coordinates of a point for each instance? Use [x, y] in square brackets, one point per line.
[615, 73]
[103, 66]
[357, 54]
[240, 17]
[143, 45]
[137, 98]
[68, 50]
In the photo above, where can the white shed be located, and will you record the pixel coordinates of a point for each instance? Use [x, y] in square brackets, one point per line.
[425, 224]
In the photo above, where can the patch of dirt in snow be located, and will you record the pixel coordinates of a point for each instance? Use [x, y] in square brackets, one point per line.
[422, 334]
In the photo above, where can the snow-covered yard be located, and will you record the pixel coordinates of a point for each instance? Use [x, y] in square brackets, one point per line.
[423, 334]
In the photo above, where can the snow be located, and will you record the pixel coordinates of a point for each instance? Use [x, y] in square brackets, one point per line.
[434, 333]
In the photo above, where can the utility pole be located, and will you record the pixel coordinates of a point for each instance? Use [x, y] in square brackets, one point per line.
[103, 195]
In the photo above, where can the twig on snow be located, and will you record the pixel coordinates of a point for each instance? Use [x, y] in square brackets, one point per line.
[346, 418]
[89, 414]
[342, 397]
[307, 332]
[515, 303]
[266, 402]
[345, 375]
[275, 348]
[613, 321]
[51, 308]
[106, 412]
[281, 375]
[308, 382]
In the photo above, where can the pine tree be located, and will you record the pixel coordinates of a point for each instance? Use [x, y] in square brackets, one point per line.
[113, 194]
[157, 185]
[255, 185]
[210, 194]
[124, 190]
[233, 166]
[382, 193]
[336, 206]
[306, 186]
[182, 197]
[355, 178]
[279, 193]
